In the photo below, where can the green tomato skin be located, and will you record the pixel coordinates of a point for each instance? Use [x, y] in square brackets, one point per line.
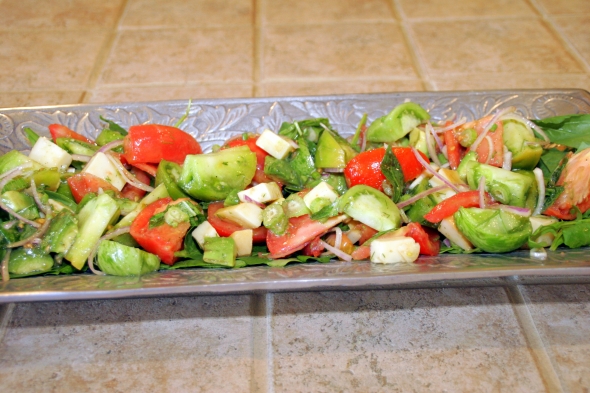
[213, 176]
[29, 261]
[371, 207]
[117, 259]
[493, 230]
[523, 156]
[399, 122]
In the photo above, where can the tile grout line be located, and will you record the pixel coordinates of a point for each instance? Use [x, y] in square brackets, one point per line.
[5, 317]
[269, 352]
[104, 54]
[561, 37]
[410, 42]
[538, 349]
[257, 47]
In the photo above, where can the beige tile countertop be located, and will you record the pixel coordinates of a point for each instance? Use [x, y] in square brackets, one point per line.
[505, 335]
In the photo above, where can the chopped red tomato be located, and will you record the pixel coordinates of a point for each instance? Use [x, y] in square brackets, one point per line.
[453, 149]
[226, 228]
[162, 240]
[59, 131]
[147, 168]
[314, 248]
[366, 231]
[259, 176]
[361, 253]
[132, 192]
[483, 149]
[152, 143]
[427, 239]
[83, 183]
[365, 168]
[449, 206]
[300, 232]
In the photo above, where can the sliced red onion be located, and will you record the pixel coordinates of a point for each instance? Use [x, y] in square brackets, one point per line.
[338, 240]
[339, 253]
[489, 125]
[459, 122]
[490, 148]
[250, 200]
[539, 131]
[9, 224]
[37, 198]
[538, 253]
[16, 215]
[8, 176]
[419, 196]
[4, 266]
[108, 236]
[507, 160]
[430, 169]
[291, 142]
[431, 149]
[333, 170]
[541, 186]
[436, 138]
[404, 217]
[110, 146]
[354, 235]
[40, 232]
[482, 192]
[447, 243]
[128, 175]
[81, 157]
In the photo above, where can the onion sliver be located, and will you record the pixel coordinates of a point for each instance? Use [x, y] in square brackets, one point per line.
[4, 266]
[339, 253]
[431, 149]
[108, 236]
[40, 232]
[482, 191]
[459, 122]
[430, 169]
[37, 198]
[541, 186]
[128, 176]
[488, 126]
[490, 149]
[110, 146]
[419, 196]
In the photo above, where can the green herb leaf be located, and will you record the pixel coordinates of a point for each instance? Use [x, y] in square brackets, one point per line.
[31, 135]
[569, 130]
[157, 219]
[393, 173]
[114, 126]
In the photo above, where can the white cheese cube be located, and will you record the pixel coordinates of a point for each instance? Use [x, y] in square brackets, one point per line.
[449, 229]
[274, 144]
[247, 215]
[392, 248]
[243, 240]
[322, 190]
[204, 230]
[449, 174]
[101, 166]
[261, 193]
[49, 154]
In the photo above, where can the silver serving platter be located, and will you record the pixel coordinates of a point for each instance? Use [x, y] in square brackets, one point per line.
[214, 121]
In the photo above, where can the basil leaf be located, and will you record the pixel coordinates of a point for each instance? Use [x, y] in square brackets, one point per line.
[550, 162]
[156, 220]
[551, 195]
[393, 173]
[569, 130]
[114, 126]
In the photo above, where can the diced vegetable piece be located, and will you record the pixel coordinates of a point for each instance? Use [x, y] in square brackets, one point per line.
[540, 221]
[392, 248]
[49, 154]
[515, 136]
[371, 207]
[213, 176]
[275, 219]
[449, 229]
[117, 259]
[246, 215]
[85, 183]
[158, 193]
[15, 158]
[449, 174]
[510, 188]
[274, 144]
[29, 261]
[100, 166]
[329, 154]
[261, 193]
[243, 240]
[321, 191]
[61, 233]
[203, 231]
[61, 131]
[399, 122]
[93, 220]
[220, 251]
[295, 206]
[226, 228]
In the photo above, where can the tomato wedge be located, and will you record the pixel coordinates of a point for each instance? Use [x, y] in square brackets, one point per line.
[449, 206]
[453, 149]
[147, 168]
[152, 143]
[132, 192]
[226, 228]
[259, 176]
[300, 232]
[60, 131]
[365, 168]
[314, 248]
[84, 183]
[427, 239]
[162, 240]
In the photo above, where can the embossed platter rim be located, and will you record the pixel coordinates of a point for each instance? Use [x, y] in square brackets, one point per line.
[212, 121]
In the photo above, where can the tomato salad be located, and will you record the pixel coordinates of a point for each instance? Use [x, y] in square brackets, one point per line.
[147, 198]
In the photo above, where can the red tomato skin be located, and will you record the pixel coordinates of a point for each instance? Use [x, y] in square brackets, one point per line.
[361, 253]
[226, 228]
[453, 149]
[365, 168]
[314, 248]
[150, 169]
[163, 240]
[84, 183]
[61, 131]
[152, 143]
[300, 232]
[449, 206]
[259, 176]
[428, 240]
[483, 149]
[131, 192]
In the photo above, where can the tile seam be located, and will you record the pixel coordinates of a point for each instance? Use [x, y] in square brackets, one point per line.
[413, 48]
[257, 47]
[5, 318]
[539, 351]
[269, 346]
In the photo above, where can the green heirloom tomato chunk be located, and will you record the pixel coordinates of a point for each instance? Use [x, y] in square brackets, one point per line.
[117, 259]
[29, 261]
[213, 176]
[371, 207]
[515, 136]
[509, 188]
[168, 174]
[397, 124]
[493, 230]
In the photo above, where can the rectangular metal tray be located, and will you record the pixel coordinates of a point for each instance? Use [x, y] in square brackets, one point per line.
[214, 121]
